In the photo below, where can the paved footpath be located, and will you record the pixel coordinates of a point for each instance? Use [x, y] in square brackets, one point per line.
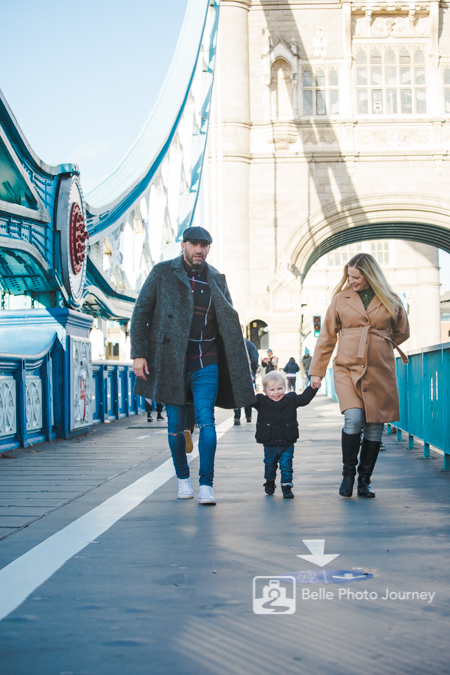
[104, 572]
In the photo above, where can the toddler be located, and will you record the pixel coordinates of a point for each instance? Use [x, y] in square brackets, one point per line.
[277, 428]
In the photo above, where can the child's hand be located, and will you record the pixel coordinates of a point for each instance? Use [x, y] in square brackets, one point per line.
[316, 382]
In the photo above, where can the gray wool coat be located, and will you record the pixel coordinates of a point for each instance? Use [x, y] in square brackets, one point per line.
[160, 328]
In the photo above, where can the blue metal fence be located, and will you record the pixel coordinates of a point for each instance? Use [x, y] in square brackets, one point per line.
[113, 396]
[37, 392]
[328, 384]
[424, 388]
[27, 414]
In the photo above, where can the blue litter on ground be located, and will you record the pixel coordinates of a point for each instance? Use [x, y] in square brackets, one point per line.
[326, 576]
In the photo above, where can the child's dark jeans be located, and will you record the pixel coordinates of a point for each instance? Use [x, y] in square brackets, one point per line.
[282, 455]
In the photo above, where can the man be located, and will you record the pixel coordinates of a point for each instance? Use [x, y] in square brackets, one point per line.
[270, 362]
[254, 358]
[186, 342]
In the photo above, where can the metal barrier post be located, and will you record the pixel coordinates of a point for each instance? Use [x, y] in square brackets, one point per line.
[105, 410]
[21, 379]
[46, 398]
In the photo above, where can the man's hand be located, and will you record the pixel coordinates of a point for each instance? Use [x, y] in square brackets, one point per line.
[140, 368]
[316, 382]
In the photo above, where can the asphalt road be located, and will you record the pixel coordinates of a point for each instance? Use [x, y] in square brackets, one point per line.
[166, 586]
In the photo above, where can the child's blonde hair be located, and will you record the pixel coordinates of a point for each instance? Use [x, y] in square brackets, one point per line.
[274, 375]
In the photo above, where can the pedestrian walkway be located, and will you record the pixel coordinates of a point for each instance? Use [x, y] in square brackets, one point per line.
[165, 585]
[51, 475]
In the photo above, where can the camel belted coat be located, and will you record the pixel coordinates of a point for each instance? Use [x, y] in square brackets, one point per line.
[364, 367]
[160, 329]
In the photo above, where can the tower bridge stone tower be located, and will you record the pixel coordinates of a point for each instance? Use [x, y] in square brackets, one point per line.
[330, 126]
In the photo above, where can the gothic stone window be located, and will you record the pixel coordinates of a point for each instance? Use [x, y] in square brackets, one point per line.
[378, 249]
[281, 91]
[390, 81]
[320, 92]
[340, 256]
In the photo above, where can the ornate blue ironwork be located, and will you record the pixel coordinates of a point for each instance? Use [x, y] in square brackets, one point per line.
[143, 206]
[135, 218]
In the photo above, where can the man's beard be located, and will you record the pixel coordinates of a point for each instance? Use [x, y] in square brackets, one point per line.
[194, 263]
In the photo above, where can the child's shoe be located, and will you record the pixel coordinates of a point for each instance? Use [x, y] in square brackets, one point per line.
[269, 487]
[189, 443]
[287, 492]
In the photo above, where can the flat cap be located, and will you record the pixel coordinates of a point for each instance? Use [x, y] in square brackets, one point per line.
[197, 234]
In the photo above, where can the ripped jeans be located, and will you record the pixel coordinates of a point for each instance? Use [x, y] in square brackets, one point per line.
[203, 384]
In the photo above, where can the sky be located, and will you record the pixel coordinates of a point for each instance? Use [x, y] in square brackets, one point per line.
[81, 77]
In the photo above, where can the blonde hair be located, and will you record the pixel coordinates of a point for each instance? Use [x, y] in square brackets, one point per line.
[374, 276]
[274, 375]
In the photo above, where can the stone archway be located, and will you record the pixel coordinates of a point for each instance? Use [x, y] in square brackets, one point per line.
[419, 218]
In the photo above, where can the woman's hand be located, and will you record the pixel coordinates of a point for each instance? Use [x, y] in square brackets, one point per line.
[140, 367]
[316, 382]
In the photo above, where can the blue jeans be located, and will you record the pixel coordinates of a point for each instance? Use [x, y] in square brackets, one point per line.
[282, 455]
[203, 384]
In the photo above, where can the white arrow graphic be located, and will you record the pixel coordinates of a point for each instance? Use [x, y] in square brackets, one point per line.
[318, 557]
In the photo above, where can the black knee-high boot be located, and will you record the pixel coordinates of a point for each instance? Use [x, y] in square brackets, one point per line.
[350, 449]
[367, 461]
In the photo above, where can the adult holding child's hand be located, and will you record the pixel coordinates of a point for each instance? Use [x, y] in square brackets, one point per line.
[370, 321]
[316, 382]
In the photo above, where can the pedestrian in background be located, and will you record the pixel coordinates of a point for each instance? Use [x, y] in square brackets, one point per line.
[277, 429]
[149, 408]
[306, 361]
[291, 369]
[253, 356]
[186, 341]
[270, 362]
[371, 321]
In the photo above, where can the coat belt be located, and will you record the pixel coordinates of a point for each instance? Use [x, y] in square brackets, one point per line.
[364, 337]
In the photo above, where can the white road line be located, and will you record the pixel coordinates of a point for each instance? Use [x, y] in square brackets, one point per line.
[25, 574]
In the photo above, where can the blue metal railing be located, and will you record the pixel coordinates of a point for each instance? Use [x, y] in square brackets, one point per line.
[26, 405]
[113, 396]
[424, 390]
[35, 393]
[328, 384]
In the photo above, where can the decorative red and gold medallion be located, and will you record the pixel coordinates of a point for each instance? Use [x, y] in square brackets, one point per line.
[77, 236]
[71, 222]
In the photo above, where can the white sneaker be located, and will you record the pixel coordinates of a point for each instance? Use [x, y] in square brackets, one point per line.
[205, 495]
[185, 490]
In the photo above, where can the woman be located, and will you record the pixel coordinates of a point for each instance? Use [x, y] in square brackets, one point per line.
[291, 369]
[371, 322]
